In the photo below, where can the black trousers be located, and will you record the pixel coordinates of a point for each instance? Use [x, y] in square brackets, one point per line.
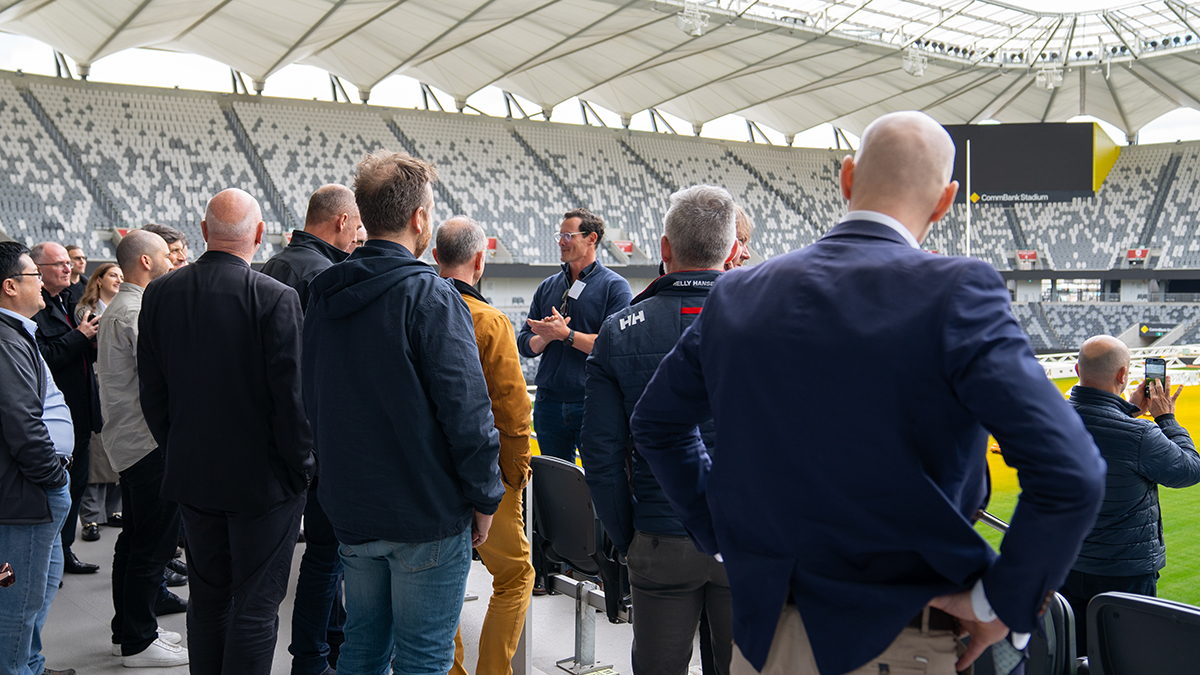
[319, 615]
[238, 567]
[145, 545]
[81, 456]
[1080, 588]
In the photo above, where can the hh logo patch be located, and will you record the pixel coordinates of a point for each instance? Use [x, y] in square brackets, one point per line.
[628, 321]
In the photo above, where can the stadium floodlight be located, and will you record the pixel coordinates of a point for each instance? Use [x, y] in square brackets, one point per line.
[1050, 78]
[691, 20]
[915, 62]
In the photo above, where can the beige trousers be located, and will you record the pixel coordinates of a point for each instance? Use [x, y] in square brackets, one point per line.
[930, 653]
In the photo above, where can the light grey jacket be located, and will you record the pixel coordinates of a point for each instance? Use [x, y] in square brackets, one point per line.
[126, 437]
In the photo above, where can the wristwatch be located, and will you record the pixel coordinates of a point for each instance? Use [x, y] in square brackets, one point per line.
[570, 339]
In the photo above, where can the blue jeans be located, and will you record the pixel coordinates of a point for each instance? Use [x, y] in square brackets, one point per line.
[403, 601]
[35, 553]
[558, 425]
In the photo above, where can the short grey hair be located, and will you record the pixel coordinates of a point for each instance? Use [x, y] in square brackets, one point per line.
[701, 226]
[459, 239]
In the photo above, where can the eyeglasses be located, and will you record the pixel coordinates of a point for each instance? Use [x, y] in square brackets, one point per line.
[79, 258]
[565, 237]
[64, 264]
[28, 274]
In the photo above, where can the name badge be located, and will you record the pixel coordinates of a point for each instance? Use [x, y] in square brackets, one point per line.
[576, 290]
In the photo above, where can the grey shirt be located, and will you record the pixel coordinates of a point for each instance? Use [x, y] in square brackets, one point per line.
[126, 437]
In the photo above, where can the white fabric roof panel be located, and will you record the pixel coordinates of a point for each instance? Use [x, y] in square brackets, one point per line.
[789, 64]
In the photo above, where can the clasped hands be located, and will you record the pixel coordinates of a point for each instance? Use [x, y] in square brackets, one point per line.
[553, 327]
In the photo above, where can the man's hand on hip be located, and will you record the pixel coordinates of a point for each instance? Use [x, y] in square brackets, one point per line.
[983, 634]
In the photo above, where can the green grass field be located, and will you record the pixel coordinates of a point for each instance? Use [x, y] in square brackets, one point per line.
[1180, 579]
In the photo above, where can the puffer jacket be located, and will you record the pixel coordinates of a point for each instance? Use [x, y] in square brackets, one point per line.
[627, 351]
[1127, 539]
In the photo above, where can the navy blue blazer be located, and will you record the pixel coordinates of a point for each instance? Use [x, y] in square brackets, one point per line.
[853, 384]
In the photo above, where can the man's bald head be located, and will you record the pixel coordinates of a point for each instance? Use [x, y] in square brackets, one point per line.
[143, 257]
[1101, 360]
[233, 223]
[903, 168]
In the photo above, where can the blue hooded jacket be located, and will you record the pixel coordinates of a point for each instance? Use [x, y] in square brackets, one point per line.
[395, 394]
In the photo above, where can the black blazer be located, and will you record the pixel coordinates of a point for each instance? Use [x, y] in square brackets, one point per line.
[219, 365]
[71, 358]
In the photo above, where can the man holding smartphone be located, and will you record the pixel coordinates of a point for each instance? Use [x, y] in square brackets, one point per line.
[1125, 549]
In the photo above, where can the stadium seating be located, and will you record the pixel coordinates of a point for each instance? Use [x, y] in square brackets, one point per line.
[1178, 233]
[1068, 324]
[160, 157]
[41, 196]
[305, 148]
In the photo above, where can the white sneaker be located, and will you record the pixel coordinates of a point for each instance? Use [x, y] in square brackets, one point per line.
[165, 635]
[158, 655]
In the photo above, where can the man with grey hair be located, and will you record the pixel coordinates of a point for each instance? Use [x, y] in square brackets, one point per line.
[850, 544]
[461, 251]
[671, 582]
[1125, 549]
[151, 523]
[219, 365]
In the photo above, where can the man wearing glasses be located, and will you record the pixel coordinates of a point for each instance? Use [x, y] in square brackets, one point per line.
[564, 318]
[70, 350]
[35, 450]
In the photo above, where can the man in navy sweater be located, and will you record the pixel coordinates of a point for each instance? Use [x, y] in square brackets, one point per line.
[564, 318]
[402, 423]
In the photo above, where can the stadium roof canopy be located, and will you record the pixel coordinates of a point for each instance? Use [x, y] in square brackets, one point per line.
[790, 64]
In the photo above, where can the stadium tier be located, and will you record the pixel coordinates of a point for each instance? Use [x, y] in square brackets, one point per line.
[82, 159]
[1063, 326]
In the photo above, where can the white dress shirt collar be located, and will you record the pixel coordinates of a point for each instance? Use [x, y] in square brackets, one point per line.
[884, 219]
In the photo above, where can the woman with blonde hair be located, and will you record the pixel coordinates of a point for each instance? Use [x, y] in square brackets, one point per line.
[101, 503]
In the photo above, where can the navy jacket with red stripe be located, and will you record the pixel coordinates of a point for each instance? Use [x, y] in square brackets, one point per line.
[627, 351]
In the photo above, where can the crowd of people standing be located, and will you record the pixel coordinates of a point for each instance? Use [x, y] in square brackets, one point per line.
[381, 400]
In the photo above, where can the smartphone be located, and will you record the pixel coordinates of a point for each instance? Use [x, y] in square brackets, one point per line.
[1156, 369]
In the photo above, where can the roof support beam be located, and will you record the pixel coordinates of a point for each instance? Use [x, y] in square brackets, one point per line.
[525, 64]
[1070, 39]
[1050, 104]
[311, 29]
[985, 79]
[1181, 10]
[1016, 34]
[940, 80]
[21, 9]
[846, 18]
[196, 24]
[1115, 24]
[1049, 33]
[489, 31]
[1191, 100]
[1112, 91]
[939, 24]
[434, 41]
[988, 110]
[112, 36]
[363, 25]
[825, 83]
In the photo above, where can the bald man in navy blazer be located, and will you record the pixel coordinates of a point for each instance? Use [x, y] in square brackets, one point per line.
[852, 457]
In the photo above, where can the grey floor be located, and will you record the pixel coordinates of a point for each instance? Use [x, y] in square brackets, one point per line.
[77, 630]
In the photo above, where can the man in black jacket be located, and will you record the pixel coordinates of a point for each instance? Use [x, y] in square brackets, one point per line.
[70, 350]
[330, 226]
[218, 361]
[671, 581]
[1125, 549]
[400, 413]
[36, 440]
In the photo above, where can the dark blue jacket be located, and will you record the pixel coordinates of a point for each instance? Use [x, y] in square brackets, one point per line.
[865, 522]
[395, 394]
[560, 374]
[627, 351]
[306, 256]
[1127, 539]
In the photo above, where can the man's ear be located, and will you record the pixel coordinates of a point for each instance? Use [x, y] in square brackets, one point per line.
[343, 220]
[204, 229]
[479, 259]
[734, 251]
[9, 287]
[846, 177]
[435, 256]
[258, 233]
[664, 249]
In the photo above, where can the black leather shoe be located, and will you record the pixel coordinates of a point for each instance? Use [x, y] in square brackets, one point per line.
[169, 604]
[115, 520]
[68, 671]
[174, 578]
[91, 532]
[177, 566]
[73, 565]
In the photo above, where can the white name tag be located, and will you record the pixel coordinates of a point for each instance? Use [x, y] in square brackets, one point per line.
[576, 289]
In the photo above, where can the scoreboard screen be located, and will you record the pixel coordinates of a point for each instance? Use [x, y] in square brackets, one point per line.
[1028, 162]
